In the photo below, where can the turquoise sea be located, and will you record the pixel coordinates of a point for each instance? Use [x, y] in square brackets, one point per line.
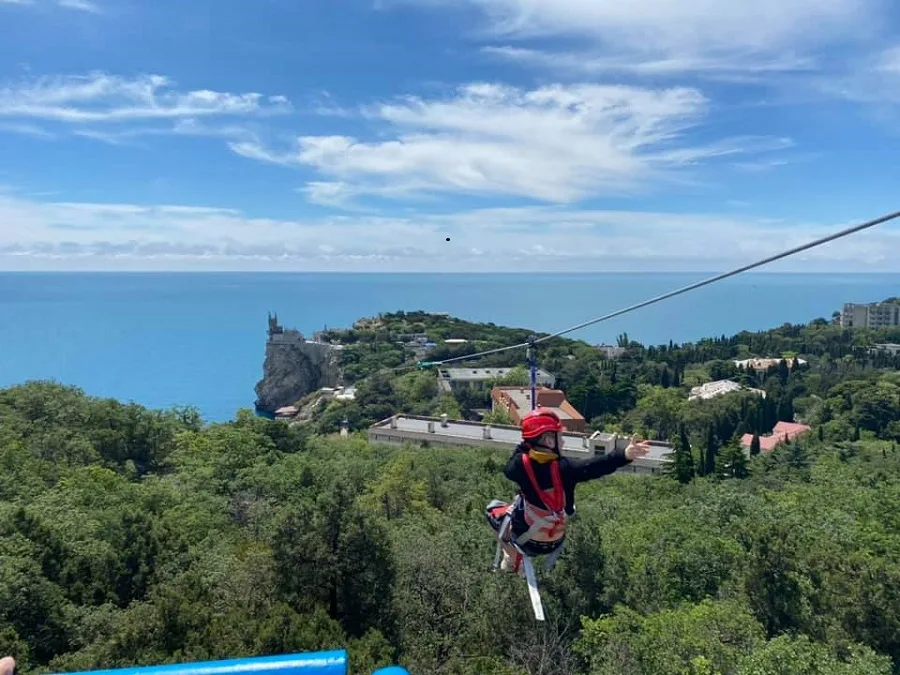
[164, 339]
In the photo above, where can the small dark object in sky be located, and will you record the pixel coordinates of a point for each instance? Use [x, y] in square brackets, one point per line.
[448, 238]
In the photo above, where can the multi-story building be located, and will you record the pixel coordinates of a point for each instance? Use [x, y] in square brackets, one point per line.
[443, 432]
[516, 401]
[873, 315]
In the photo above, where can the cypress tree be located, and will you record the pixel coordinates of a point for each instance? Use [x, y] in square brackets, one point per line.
[754, 446]
[783, 371]
[770, 414]
[711, 450]
[786, 409]
[682, 467]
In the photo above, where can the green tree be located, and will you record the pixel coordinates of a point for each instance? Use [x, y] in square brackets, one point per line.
[712, 451]
[682, 467]
[754, 446]
[731, 461]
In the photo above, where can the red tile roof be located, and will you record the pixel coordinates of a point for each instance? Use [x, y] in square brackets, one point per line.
[783, 431]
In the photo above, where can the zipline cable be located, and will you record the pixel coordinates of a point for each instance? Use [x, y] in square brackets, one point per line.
[817, 242]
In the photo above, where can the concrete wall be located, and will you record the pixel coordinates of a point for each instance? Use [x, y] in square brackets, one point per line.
[400, 436]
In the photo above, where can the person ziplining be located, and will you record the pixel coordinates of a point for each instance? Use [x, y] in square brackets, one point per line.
[534, 524]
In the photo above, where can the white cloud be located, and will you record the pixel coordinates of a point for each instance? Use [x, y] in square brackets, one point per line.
[870, 79]
[732, 67]
[556, 143]
[103, 98]
[676, 25]
[24, 128]
[657, 37]
[82, 5]
[60, 235]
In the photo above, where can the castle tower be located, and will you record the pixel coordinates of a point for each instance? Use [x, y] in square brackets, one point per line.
[274, 328]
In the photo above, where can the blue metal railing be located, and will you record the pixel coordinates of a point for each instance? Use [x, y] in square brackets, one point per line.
[312, 663]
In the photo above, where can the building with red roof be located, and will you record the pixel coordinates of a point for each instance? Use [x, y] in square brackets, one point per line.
[516, 401]
[783, 431]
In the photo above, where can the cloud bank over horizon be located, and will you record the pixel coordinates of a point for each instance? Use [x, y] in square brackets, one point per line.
[564, 136]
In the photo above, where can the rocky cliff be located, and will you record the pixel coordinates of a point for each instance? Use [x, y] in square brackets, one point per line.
[293, 368]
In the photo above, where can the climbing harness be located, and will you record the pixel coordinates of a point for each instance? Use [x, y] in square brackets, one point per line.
[544, 527]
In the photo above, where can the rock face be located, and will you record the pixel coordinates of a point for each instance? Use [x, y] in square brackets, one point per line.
[293, 368]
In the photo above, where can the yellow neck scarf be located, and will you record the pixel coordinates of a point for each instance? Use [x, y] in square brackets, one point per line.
[542, 457]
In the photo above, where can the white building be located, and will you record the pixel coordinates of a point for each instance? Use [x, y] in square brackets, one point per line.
[443, 432]
[718, 388]
[889, 347]
[872, 315]
[765, 364]
[611, 351]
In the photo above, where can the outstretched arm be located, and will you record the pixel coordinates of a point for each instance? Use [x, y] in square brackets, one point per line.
[585, 470]
[608, 463]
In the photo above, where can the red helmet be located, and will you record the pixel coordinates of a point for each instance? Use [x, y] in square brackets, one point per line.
[540, 421]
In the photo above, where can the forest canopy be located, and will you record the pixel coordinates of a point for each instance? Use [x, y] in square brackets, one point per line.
[131, 536]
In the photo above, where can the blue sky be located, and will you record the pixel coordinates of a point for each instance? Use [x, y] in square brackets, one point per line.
[362, 134]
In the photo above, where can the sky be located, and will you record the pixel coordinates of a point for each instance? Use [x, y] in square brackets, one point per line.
[447, 135]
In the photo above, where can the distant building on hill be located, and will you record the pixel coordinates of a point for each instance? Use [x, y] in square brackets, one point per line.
[611, 351]
[516, 401]
[872, 315]
[782, 432]
[718, 388]
[765, 364]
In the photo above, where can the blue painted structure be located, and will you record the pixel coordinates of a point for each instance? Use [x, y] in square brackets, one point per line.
[311, 663]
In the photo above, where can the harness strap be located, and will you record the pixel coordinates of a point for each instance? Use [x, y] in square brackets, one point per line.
[555, 502]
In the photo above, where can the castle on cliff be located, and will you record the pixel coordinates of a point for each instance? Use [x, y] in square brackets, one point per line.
[278, 335]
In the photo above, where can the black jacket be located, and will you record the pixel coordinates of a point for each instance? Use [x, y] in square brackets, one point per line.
[572, 472]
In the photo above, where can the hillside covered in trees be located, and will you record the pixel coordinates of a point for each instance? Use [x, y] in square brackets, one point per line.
[844, 386]
[133, 536]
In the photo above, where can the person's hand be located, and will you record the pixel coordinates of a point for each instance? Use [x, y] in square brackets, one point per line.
[7, 665]
[636, 448]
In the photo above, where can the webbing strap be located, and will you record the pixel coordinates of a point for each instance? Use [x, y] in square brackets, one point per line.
[556, 502]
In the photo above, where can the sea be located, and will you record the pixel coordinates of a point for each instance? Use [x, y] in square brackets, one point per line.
[198, 339]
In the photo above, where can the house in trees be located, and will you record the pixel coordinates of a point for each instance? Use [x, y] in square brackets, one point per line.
[718, 388]
[783, 431]
[516, 402]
